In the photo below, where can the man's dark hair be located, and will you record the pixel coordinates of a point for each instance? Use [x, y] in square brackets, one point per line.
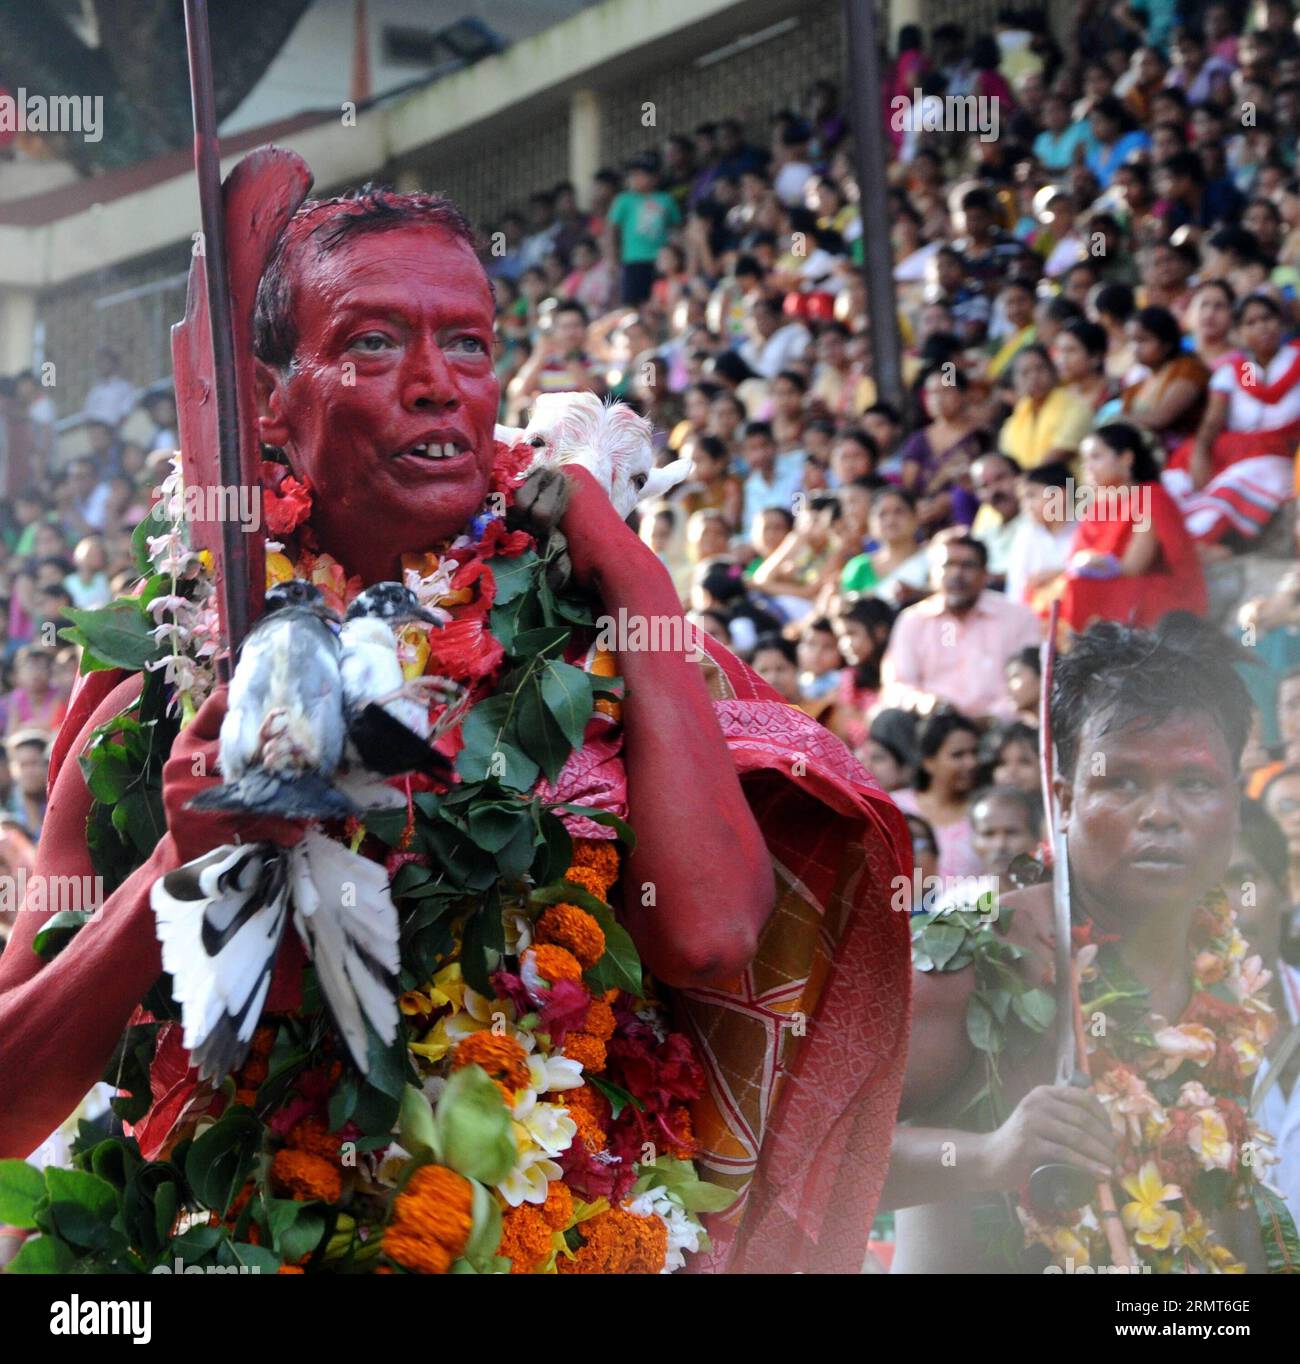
[570, 305]
[1150, 676]
[327, 224]
[763, 429]
[970, 542]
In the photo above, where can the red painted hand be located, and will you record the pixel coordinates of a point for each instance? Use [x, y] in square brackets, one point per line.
[192, 768]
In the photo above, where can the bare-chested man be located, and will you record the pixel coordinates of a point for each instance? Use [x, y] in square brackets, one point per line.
[1149, 732]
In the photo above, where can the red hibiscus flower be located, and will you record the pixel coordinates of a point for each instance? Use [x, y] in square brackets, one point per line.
[287, 499]
[498, 542]
[511, 465]
[464, 650]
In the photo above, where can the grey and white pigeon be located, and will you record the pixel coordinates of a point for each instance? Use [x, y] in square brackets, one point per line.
[283, 734]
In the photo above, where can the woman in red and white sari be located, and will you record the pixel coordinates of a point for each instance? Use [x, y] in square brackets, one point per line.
[1238, 469]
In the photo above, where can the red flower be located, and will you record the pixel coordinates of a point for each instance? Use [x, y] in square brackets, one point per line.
[658, 1073]
[512, 462]
[565, 1009]
[287, 499]
[476, 579]
[464, 650]
[498, 542]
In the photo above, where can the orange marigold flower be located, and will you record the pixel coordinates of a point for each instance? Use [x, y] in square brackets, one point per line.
[575, 930]
[246, 1097]
[525, 1238]
[590, 880]
[588, 1051]
[431, 1220]
[291, 1269]
[502, 1057]
[619, 1242]
[600, 1020]
[555, 963]
[599, 855]
[591, 1113]
[558, 1208]
[304, 1177]
[311, 1134]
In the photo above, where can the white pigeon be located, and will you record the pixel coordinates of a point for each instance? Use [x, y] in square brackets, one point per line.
[220, 919]
[609, 440]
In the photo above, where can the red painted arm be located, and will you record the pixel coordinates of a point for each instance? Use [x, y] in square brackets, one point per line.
[699, 887]
[60, 1021]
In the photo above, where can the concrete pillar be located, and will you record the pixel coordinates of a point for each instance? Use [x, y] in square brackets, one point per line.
[17, 326]
[584, 141]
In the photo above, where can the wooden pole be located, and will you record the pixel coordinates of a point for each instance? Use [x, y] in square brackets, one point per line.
[865, 110]
[233, 574]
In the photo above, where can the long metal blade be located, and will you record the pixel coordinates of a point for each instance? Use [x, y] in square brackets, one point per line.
[1066, 1059]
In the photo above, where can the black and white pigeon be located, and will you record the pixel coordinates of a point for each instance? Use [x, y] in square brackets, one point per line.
[283, 734]
[387, 714]
[220, 919]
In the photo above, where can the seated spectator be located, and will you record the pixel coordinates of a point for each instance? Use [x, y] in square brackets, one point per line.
[947, 744]
[1132, 559]
[772, 343]
[1079, 354]
[710, 485]
[28, 752]
[767, 533]
[88, 585]
[950, 648]
[1008, 756]
[707, 535]
[1209, 320]
[1024, 684]
[773, 479]
[1044, 532]
[719, 585]
[897, 569]
[936, 460]
[1115, 139]
[1048, 421]
[995, 479]
[819, 659]
[559, 362]
[1006, 823]
[890, 753]
[862, 628]
[793, 575]
[775, 661]
[1281, 800]
[1170, 401]
[17, 860]
[33, 703]
[1239, 468]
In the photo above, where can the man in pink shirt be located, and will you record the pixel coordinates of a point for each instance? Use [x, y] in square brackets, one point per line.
[953, 646]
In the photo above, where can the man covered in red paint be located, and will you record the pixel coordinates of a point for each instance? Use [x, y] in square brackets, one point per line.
[373, 335]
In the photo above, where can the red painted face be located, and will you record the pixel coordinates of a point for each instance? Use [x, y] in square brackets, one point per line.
[394, 350]
[1151, 814]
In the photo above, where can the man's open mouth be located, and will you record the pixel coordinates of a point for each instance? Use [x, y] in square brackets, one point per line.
[431, 450]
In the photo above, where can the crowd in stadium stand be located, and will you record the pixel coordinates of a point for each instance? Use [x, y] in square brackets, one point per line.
[1097, 304]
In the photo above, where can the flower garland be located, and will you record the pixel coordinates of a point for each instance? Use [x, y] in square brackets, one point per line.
[534, 1113]
[1177, 1094]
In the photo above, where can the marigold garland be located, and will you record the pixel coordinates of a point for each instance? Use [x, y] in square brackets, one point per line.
[304, 1177]
[573, 929]
[503, 1058]
[618, 1242]
[431, 1221]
